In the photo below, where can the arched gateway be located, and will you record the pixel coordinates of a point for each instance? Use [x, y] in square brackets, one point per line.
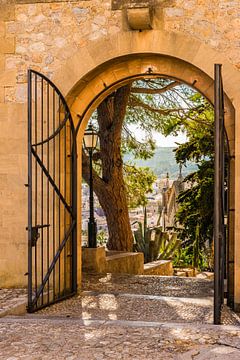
[85, 80]
[88, 49]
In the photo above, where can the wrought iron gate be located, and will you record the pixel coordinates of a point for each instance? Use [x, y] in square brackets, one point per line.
[52, 195]
[219, 197]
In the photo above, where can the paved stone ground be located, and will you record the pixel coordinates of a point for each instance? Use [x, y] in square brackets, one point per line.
[33, 338]
[10, 299]
[125, 317]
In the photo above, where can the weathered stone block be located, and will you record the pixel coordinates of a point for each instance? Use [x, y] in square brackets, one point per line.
[7, 45]
[7, 12]
[2, 28]
[2, 62]
[125, 263]
[94, 259]
[1, 94]
[8, 78]
[160, 267]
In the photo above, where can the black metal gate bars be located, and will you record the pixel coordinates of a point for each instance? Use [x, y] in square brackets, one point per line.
[52, 195]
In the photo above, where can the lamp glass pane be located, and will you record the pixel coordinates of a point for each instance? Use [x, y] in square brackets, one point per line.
[94, 140]
[88, 140]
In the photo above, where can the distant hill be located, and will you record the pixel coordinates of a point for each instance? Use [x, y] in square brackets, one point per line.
[163, 162]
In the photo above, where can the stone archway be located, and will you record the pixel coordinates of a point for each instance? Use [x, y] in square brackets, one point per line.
[111, 62]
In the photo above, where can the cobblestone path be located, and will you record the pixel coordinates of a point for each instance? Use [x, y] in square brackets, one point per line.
[125, 317]
[43, 339]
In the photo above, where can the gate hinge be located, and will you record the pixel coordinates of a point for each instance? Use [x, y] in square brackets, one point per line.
[35, 234]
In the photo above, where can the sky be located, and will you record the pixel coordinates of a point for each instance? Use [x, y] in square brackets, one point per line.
[169, 141]
[161, 141]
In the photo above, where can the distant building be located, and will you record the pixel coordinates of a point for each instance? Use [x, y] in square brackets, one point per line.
[169, 201]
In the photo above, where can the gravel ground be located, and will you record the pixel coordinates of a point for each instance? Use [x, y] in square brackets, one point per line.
[125, 297]
[131, 307]
[151, 285]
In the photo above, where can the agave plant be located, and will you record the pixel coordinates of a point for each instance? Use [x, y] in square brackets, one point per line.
[153, 242]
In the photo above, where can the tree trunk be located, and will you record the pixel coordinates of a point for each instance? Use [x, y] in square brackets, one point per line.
[110, 188]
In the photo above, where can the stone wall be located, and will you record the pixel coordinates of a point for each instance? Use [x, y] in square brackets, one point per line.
[42, 35]
[45, 36]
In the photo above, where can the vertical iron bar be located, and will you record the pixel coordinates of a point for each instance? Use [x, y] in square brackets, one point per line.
[222, 149]
[218, 197]
[29, 189]
[217, 309]
[64, 194]
[42, 189]
[59, 202]
[74, 210]
[48, 167]
[71, 188]
[36, 182]
[54, 165]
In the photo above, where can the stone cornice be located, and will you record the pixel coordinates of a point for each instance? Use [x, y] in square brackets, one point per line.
[122, 4]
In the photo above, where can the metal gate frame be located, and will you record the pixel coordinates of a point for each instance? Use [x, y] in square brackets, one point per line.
[50, 124]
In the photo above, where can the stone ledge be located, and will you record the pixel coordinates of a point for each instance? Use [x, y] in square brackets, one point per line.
[121, 4]
[125, 263]
[159, 267]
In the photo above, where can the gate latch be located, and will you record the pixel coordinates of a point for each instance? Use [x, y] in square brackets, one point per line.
[35, 234]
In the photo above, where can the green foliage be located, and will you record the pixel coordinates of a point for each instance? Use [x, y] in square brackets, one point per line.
[102, 237]
[169, 246]
[184, 258]
[195, 204]
[195, 212]
[153, 242]
[139, 182]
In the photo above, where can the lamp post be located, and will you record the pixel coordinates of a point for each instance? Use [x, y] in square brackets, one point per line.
[90, 141]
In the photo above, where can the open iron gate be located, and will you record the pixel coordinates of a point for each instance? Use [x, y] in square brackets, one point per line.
[219, 197]
[52, 195]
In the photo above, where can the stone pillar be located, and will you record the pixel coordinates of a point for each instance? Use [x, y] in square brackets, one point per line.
[94, 259]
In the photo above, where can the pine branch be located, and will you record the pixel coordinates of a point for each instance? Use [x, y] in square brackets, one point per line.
[142, 90]
[136, 102]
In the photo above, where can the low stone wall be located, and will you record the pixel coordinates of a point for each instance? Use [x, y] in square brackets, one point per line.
[101, 261]
[160, 267]
[185, 272]
[125, 263]
[120, 262]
